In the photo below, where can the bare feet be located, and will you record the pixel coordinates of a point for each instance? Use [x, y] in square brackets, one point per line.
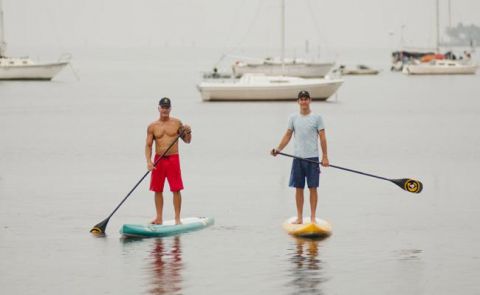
[298, 221]
[313, 220]
[178, 221]
[156, 221]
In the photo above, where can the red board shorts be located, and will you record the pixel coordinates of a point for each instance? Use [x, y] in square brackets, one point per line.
[167, 167]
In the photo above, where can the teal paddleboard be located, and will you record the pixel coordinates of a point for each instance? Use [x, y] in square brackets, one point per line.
[168, 228]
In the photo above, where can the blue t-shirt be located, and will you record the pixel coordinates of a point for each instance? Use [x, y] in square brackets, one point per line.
[305, 129]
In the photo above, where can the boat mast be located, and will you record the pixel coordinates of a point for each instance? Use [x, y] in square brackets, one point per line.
[282, 38]
[437, 41]
[449, 14]
[3, 45]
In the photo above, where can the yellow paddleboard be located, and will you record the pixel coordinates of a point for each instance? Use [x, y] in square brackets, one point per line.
[321, 228]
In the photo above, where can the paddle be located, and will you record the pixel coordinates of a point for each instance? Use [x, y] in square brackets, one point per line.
[407, 184]
[99, 229]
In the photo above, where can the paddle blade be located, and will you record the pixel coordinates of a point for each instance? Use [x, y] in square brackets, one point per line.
[100, 228]
[410, 185]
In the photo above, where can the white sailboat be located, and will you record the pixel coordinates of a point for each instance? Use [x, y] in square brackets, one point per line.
[265, 87]
[23, 68]
[287, 67]
[292, 67]
[441, 67]
[261, 87]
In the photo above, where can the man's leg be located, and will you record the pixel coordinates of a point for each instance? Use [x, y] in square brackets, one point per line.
[313, 180]
[174, 177]
[158, 208]
[177, 205]
[313, 203]
[299, 201]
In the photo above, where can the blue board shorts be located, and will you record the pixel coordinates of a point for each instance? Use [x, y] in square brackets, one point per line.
[302, 170]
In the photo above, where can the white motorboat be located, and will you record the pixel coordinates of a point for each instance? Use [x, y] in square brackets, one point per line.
[295, 67]
[440, 67]
[358, 70]
[267, 88]
[12, 68]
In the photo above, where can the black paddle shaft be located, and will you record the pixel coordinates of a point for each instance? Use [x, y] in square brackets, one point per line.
[100, 227]
[410, 185]
[145, 175]
[334, 166]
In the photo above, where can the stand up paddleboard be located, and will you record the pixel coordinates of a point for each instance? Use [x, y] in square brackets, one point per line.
[320, 229]
[168, 228]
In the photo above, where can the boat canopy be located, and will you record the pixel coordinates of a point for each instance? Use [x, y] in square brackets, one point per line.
[413, 54]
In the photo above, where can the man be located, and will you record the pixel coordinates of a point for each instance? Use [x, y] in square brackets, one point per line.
[164, 132]
[307, 127]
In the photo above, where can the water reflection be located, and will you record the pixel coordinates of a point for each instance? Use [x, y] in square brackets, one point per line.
[307, 268]
[409, 254]
[166, 266]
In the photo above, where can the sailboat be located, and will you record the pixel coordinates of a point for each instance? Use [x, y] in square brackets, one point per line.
[259, 86]
[291, 67]
[440, 66]
[23, 68]
[288, 67]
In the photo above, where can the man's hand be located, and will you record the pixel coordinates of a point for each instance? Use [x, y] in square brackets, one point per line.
[274, 152]
[325, 162]
[150, 166]
[184, 130]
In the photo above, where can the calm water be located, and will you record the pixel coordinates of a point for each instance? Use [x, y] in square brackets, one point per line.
[70, 151]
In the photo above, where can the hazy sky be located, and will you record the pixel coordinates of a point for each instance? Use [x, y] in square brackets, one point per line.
[85, 24]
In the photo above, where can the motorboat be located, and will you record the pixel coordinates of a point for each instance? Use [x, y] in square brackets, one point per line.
[358, 70]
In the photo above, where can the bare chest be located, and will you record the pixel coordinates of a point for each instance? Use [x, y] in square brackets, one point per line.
[165, 130]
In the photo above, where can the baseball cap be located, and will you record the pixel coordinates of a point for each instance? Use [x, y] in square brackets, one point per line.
[165, 102]
[303, 93]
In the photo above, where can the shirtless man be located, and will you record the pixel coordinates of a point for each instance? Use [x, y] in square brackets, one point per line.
[308, 128]
[163, 132]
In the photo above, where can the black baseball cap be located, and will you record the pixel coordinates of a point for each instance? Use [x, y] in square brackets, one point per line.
[165, 102]
[303, 93]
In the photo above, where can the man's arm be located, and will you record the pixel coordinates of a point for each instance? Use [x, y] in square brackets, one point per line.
[148, 148]
[283, 143]
[323, 145]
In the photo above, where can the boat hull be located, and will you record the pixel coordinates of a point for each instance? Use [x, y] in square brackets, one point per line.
[360, 72]
[439, 70]
[31, 72]
[268, 90]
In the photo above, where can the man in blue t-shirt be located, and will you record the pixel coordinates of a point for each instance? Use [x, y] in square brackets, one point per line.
[307, 128]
